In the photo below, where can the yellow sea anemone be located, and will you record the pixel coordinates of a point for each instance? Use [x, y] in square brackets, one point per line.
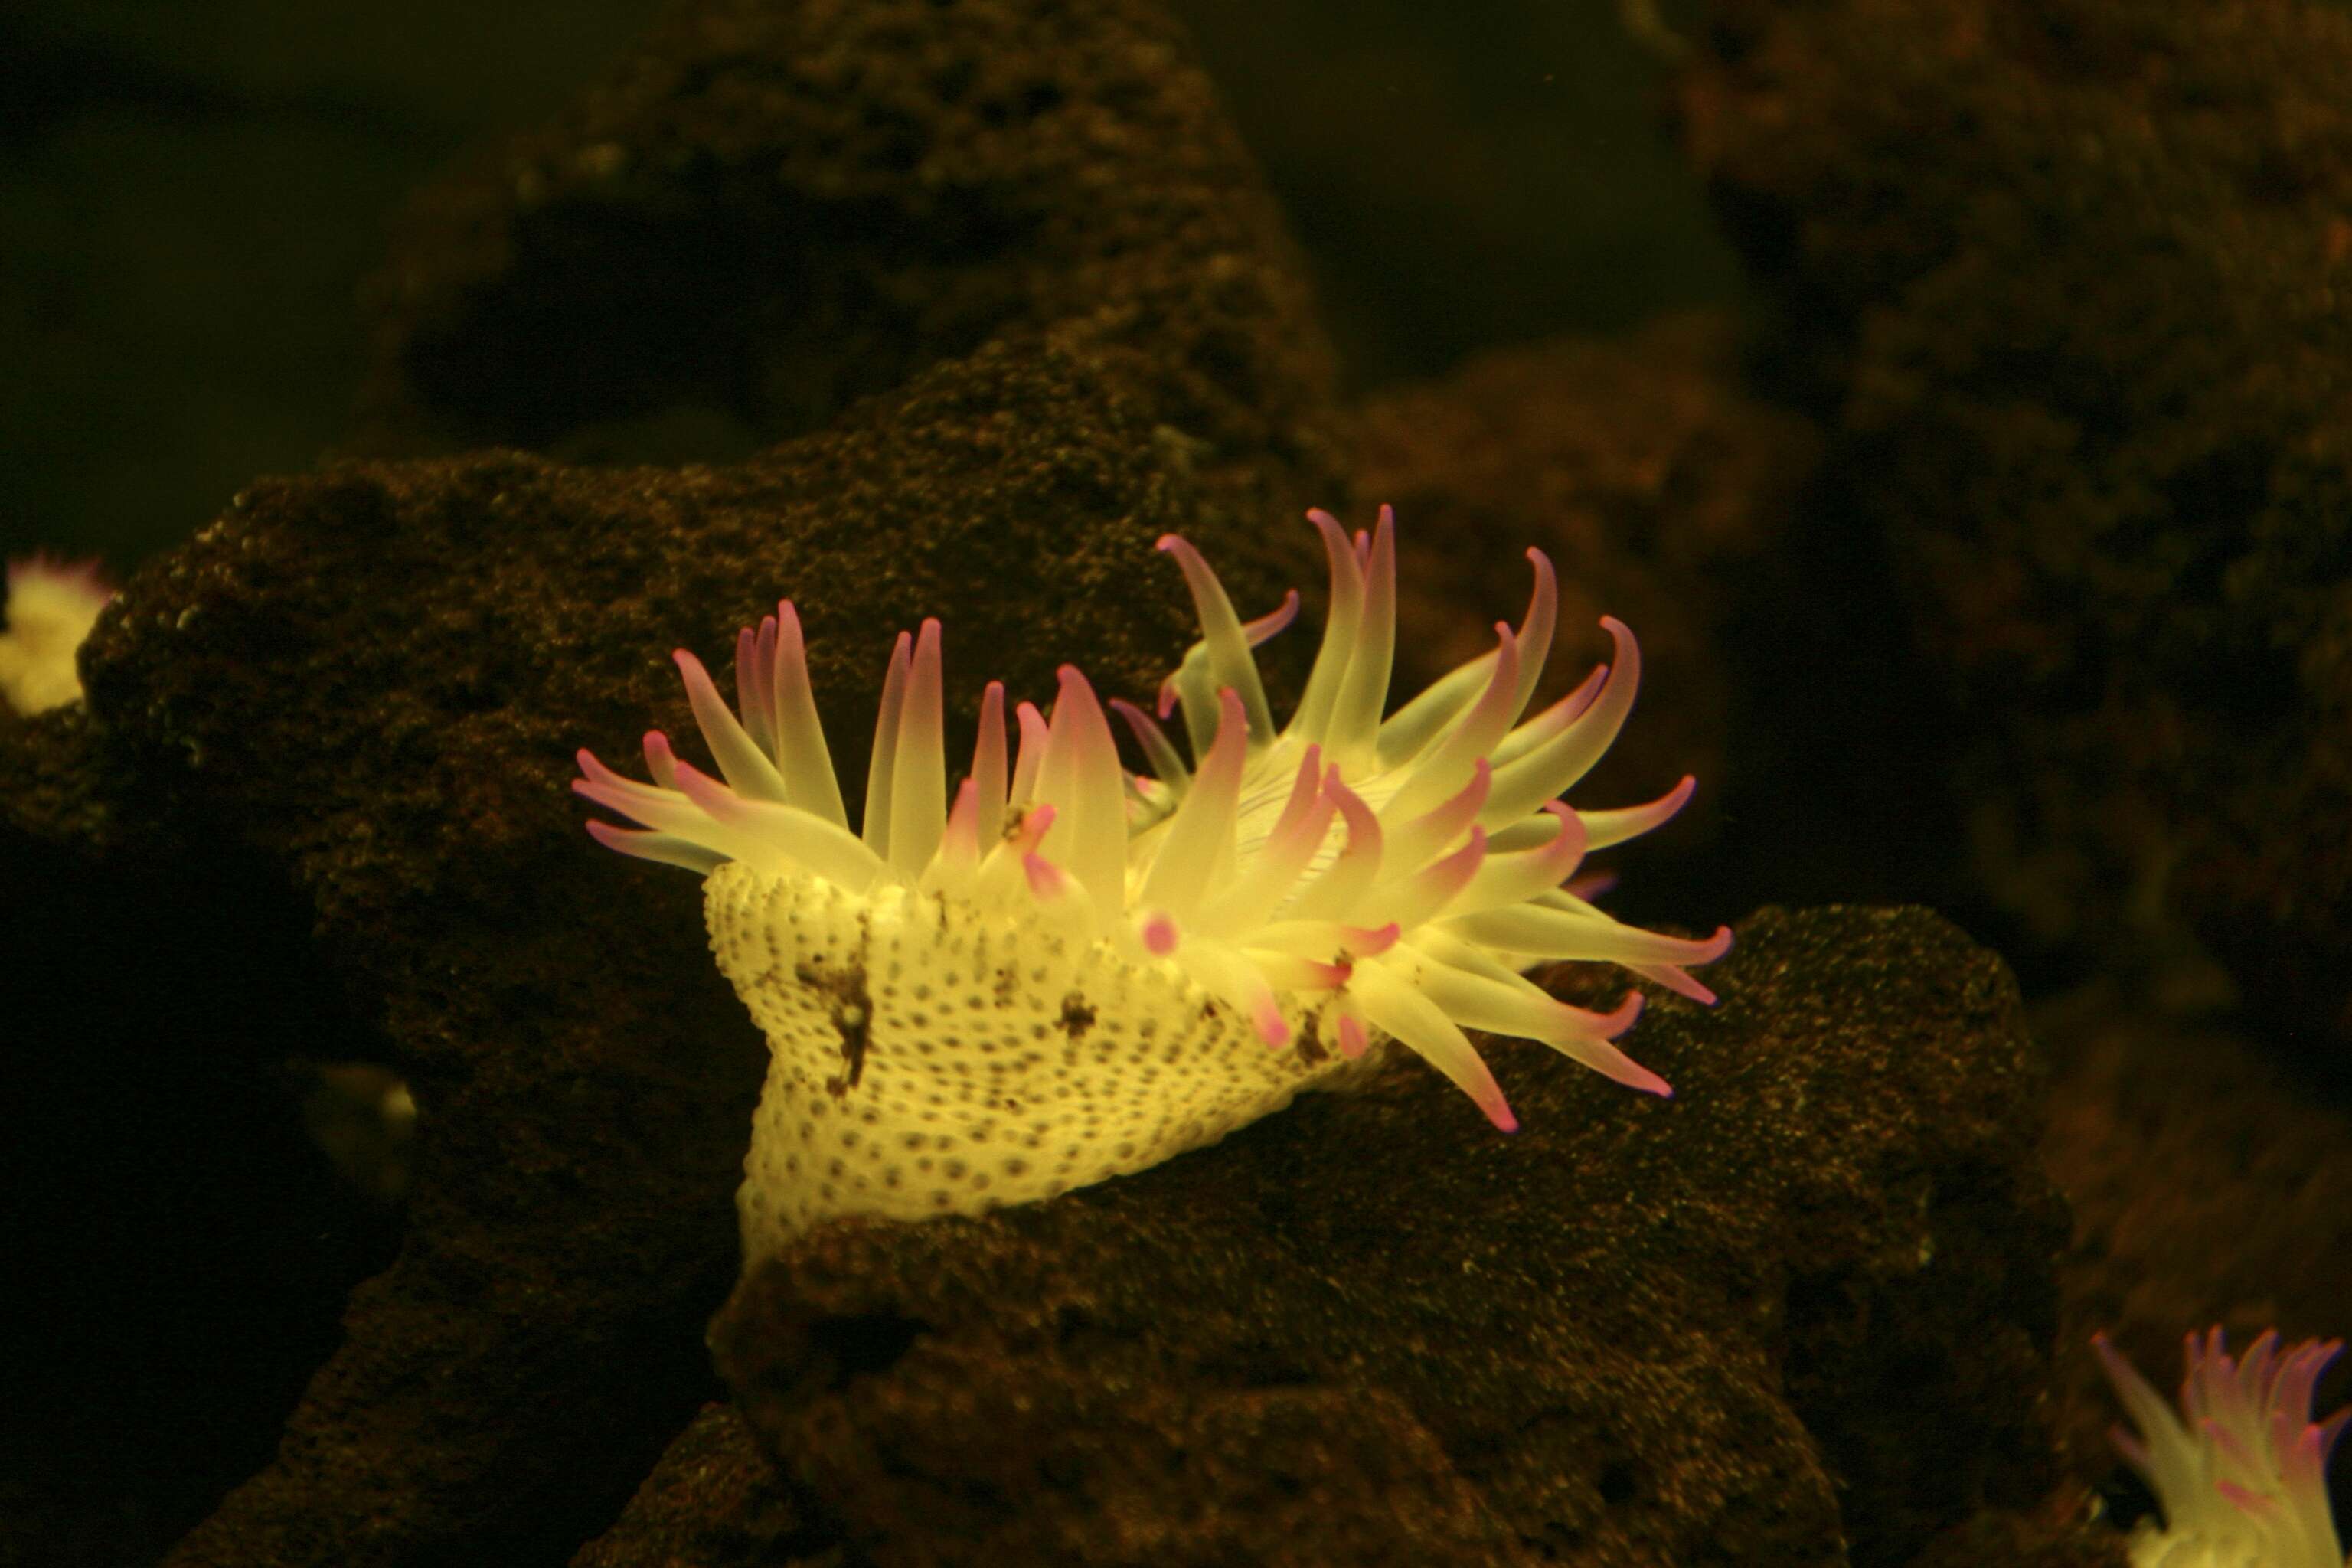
[1070, 971]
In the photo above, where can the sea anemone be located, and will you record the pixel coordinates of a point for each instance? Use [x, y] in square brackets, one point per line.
[1069, 972]
[52, 605]
[2242, 1472]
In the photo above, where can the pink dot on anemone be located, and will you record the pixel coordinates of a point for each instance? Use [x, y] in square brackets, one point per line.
[1065, 972]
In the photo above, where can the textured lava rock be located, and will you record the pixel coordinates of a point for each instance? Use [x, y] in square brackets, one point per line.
[771, 211]
[713, 1499]
[2068, 277]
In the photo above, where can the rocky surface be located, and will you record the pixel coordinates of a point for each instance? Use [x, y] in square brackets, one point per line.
[714, 1499]
[768, 212]
[2066, 281]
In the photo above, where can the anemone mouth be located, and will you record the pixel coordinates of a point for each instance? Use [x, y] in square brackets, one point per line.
[1381, 875]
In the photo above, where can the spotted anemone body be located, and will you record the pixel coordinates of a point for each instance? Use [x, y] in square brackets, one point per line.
[1068, 972]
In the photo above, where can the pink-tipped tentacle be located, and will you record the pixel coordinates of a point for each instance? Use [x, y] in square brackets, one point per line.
[661, 763]
[1676, 979]
[1537, 626]
[1414, 842]
[1342, 618]
[1290, 972]
[1033, 732]
[768, 833]
[918, 770]
[663, 848]
[1542, 771]
[1439, 770]
[883, 759]
[1339, 886]
[1590, 886]
[1159, 752]
[1423, 895]
[988, 767]
[1047, 880]
[1398, 1009]
[1355, 724]
[1603, 828]
[1508, 880]
[1543, 930]
[1352, 1039]
[1080, 773]
[1541, 728]
[1199, 836]
[755, 701]
[1269, 878]
[1035, 822]
[610, 790]
[1231, 663]
[1267, 625]
[801, 752]
[743, 764]
[960, 845]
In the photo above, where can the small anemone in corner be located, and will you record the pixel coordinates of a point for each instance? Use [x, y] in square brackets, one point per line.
[51, 607]
[2241, 1471]
[1065, 971]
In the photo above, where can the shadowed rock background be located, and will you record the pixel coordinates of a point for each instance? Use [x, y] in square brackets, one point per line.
[1951, 397]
